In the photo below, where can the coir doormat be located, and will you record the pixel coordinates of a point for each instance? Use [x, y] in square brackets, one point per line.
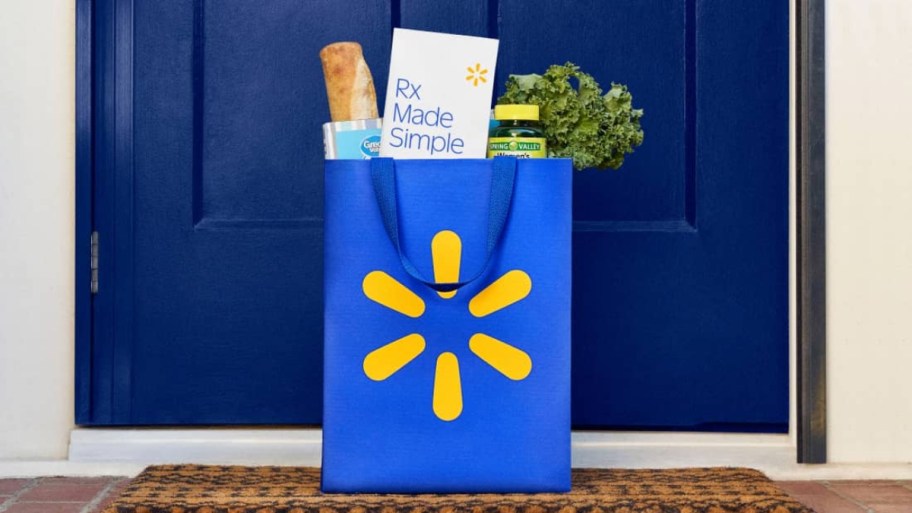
[234, 489]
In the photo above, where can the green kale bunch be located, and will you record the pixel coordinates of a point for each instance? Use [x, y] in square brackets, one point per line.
[593, 129]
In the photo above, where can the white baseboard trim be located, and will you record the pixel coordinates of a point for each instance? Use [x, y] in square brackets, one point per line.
[66, 468]
[266, 446]
[303, 447]
[95, 451]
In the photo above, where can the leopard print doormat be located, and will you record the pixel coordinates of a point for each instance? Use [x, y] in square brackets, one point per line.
[233, 489]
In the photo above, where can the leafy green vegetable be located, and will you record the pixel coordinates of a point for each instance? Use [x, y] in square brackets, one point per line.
[595, 130]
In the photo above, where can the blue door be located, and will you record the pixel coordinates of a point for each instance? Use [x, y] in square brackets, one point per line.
[208, 205]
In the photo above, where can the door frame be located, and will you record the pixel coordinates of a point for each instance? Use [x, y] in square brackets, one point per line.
[84, 225]
[810, 212]
[810, 190]
[103, 87]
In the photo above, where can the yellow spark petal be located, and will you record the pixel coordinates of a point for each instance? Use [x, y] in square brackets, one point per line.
[383, 362]
[447, 388]
[470, 77]
[510, 361]
[483, 79]
[469, 68]
[483, 71]
[477, 66]
[508, 289]
[476, 81]
[446, 251]
[384, 289]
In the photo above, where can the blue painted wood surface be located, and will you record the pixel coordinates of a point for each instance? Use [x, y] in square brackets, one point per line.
[208, 196]
[83, 202]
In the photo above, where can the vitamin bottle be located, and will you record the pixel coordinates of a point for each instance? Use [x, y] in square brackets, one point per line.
[518, 133]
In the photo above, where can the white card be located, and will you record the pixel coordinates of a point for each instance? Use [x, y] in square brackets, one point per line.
[438, 97]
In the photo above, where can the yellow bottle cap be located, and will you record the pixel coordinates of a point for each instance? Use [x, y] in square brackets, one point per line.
[524, 112]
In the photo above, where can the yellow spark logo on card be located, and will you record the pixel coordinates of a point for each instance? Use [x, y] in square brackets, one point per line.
[476, 75]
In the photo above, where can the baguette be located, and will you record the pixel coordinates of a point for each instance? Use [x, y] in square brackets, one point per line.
[349, 85]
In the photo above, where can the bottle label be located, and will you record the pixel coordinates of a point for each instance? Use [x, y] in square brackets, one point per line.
[520, 147]
[358, 144]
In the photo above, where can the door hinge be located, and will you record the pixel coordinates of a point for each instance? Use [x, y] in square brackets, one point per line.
[93, 262]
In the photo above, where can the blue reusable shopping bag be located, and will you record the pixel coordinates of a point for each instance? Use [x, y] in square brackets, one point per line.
[447, 326]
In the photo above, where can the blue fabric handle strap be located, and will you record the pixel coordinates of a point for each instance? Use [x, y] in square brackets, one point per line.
[383, 175]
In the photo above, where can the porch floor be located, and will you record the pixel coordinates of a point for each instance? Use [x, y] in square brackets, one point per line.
[92, 495]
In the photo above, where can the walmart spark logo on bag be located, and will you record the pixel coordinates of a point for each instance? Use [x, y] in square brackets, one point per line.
[447, 291]
[512, 362]
[433, 109]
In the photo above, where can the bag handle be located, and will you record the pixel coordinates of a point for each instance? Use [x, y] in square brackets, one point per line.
[383, 175]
